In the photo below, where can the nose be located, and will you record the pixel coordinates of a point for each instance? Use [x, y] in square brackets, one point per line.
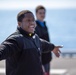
[32, 22]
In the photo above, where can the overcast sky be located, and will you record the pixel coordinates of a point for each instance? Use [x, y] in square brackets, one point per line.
[52, 4]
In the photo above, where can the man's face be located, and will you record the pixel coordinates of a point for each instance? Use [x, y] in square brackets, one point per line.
[28, 23]
[40, 14]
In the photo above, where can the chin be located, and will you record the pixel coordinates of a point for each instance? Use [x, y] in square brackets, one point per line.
[31, 32]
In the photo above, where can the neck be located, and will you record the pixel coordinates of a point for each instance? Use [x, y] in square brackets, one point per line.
[25, 32]
[40, 20]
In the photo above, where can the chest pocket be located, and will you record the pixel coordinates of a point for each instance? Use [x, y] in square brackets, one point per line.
[32, 44]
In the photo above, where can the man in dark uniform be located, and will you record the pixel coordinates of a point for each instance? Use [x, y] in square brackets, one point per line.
[42, 32]
[22, 49]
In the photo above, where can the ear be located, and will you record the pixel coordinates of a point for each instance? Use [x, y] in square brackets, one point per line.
[19, 24]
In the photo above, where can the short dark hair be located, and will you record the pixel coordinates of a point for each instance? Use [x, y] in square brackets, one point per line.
[39, 7]
[21, 15]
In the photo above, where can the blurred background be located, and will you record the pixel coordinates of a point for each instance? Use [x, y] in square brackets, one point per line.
[61, 22]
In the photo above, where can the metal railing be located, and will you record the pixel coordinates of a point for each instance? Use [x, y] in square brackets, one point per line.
[69, 54]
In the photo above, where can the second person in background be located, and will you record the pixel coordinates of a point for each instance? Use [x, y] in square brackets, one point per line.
[42, 32]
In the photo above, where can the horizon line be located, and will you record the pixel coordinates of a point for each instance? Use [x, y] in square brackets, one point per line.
[47, 4]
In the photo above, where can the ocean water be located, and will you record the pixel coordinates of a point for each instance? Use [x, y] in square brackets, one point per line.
[61, 25]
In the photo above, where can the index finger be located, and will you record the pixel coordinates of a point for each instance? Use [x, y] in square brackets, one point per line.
[59, 46]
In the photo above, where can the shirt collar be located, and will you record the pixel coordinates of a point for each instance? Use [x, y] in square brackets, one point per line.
[41, 23]
[25, 33]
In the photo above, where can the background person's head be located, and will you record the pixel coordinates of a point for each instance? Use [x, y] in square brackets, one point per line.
[26, 21]
[40, 12]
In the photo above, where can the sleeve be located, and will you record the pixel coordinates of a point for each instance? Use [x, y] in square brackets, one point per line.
[9, 47]
[46, 46]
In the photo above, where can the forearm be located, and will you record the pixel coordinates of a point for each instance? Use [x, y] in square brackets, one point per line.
[46, 46]
[4, 52]
[8, 48]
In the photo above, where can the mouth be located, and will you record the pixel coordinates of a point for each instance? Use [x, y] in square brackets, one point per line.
[32, 28]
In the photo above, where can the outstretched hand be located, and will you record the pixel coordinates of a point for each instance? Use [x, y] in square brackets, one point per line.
[56, 51]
